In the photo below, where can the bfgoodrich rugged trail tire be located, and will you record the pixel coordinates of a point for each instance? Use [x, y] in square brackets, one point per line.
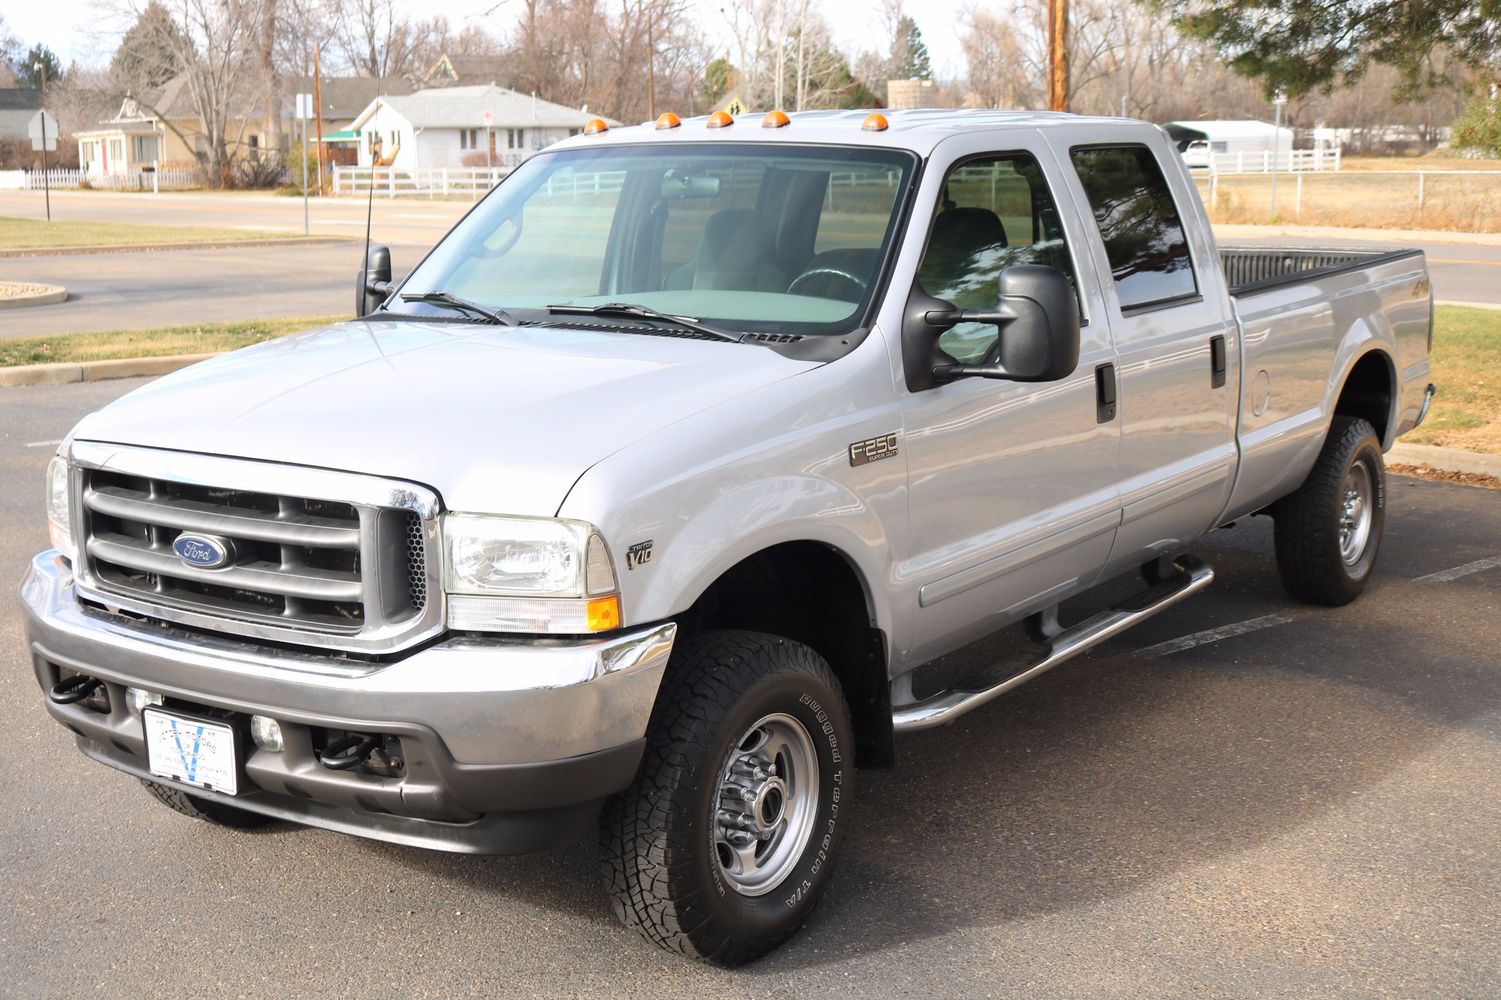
[1329, 531]
[724, 842]
[208, 810]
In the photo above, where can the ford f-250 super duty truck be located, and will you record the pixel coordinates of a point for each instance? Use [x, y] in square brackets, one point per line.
[695, 463]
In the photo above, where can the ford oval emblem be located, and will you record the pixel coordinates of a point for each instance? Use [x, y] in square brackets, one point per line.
[203, 551]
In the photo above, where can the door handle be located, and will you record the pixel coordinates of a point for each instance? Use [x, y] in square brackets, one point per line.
[1217, 360]
[1104, 393]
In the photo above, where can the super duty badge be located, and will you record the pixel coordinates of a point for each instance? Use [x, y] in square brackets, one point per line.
[873, 449]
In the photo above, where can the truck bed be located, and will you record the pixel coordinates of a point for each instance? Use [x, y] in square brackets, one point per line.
[1254, 269]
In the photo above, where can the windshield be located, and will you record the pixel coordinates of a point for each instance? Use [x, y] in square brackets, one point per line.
[751, 237]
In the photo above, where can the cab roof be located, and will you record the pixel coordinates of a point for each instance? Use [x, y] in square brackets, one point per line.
[918, 130]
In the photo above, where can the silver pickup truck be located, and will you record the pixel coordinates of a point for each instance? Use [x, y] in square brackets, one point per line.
[699, 460]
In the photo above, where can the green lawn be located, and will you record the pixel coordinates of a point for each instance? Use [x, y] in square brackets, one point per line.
[1467, 370]
[201, 339]
[26, 234]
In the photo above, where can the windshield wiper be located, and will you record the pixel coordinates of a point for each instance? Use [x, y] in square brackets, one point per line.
[630, 309]
[499, 316]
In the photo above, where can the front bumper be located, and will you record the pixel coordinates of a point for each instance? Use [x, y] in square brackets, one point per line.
[509, 744]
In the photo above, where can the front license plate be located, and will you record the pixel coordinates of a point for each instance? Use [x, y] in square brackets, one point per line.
[193, 751]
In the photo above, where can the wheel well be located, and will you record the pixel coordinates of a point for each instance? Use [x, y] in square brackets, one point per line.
[810, 593]
[1367, 393]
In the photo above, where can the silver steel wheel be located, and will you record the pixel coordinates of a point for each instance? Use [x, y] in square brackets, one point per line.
[765, 804]
[1356, 513]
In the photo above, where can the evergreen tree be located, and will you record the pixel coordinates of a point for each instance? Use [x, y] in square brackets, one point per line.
[911, 52]
[26, 66]
[150, 53]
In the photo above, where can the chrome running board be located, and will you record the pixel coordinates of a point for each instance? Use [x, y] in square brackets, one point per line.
[1193, 576]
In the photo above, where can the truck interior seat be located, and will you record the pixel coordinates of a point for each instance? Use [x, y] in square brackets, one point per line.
[736, 253]
[960, 236]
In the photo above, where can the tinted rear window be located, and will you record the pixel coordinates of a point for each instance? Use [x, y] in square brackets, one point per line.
[1144, 238]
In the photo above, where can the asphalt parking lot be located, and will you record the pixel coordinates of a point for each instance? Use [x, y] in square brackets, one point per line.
[1300, 803]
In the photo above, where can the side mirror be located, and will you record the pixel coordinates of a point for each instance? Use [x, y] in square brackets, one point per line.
[372, 283]
[1038, 328]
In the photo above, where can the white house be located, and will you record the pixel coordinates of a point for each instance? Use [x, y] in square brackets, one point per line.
[1199, 140]
[477, 126]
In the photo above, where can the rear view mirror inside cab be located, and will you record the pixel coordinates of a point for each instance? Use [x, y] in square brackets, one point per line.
[679, 184]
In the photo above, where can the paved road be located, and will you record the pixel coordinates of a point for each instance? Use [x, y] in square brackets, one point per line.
[194, 286]
[1307, 809]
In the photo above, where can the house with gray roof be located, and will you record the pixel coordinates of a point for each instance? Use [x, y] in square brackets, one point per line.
[478, 126]
[17, 107]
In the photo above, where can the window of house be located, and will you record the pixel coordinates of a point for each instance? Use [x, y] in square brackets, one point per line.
[143, 148]
[996, 211]
[469, 138]
[515, 138]
[117, 150]
[1139, 222]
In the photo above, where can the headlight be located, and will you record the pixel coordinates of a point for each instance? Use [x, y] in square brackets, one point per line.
[527, 574]
[59, 523]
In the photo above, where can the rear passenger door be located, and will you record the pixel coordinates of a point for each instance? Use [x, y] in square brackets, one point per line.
[1176, 344]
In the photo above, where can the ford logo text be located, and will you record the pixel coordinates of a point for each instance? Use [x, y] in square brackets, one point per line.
[203, 551]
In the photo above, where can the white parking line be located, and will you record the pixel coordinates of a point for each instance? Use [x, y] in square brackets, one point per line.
[41, 444]
[1213, 635]
[1449, 575]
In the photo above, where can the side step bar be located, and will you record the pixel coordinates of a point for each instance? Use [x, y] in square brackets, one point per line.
[1193, 576]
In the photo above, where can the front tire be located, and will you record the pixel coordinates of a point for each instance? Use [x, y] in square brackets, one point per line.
[1328, 532]
[723, 844]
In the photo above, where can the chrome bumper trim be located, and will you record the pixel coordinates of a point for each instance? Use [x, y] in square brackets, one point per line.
[489, 700]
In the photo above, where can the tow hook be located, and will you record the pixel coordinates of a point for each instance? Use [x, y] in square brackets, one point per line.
[74, 689]
[348, 751]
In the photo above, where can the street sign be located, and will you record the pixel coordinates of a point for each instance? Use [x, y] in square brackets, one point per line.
[305, 107]
[488, 119]
[42, 126]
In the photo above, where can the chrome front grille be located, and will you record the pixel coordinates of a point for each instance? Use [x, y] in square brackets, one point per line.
[323, 558]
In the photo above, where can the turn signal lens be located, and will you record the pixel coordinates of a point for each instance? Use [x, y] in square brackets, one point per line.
[668, 120]
[721, 119]
[875, 123]
[776, 119]
[594, 126]
[603, 614]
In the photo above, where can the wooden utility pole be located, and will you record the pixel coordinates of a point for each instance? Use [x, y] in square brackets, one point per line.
[318, 105]
[1057, 55]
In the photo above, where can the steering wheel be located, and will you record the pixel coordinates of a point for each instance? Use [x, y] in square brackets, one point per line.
[833, 272]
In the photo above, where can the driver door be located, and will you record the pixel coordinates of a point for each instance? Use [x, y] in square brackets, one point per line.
[1012, 485]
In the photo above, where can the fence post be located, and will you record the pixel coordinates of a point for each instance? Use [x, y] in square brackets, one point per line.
[445, 181]
[1298, 198]
[1240, 161]
[1214, 187]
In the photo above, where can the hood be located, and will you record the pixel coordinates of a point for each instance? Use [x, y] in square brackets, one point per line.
[496, 419]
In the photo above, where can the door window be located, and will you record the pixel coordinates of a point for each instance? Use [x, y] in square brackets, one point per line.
[1143, 233]
[996, 211]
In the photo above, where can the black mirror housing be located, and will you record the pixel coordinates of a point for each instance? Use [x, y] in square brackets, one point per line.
[372, 283]
[1038, 337]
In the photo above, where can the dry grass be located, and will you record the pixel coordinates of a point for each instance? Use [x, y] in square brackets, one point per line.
[1364, 198]
[161, 342]
[30, 234]
[1467, 370]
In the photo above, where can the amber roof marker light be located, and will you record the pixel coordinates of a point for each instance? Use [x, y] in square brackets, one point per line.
[668, 120]
[721, 119]
[875, 122]
[594, 126]
[776, 119]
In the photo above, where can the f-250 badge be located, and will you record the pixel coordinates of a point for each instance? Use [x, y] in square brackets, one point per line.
[638, 554]
[873, 449]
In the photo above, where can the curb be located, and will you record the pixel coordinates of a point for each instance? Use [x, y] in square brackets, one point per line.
[290, 241]
[1471, 305]
[1445, 459]
[64, 372]
[51, 294]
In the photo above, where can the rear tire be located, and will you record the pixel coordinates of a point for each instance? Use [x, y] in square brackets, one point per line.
[723, 844]
[1329, 531]
[207, 810]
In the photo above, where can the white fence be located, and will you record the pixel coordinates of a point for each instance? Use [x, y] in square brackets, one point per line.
[65, 177]
[1290, 160]
[440, 182]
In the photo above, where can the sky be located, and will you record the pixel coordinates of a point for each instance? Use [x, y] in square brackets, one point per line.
[75, 30]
